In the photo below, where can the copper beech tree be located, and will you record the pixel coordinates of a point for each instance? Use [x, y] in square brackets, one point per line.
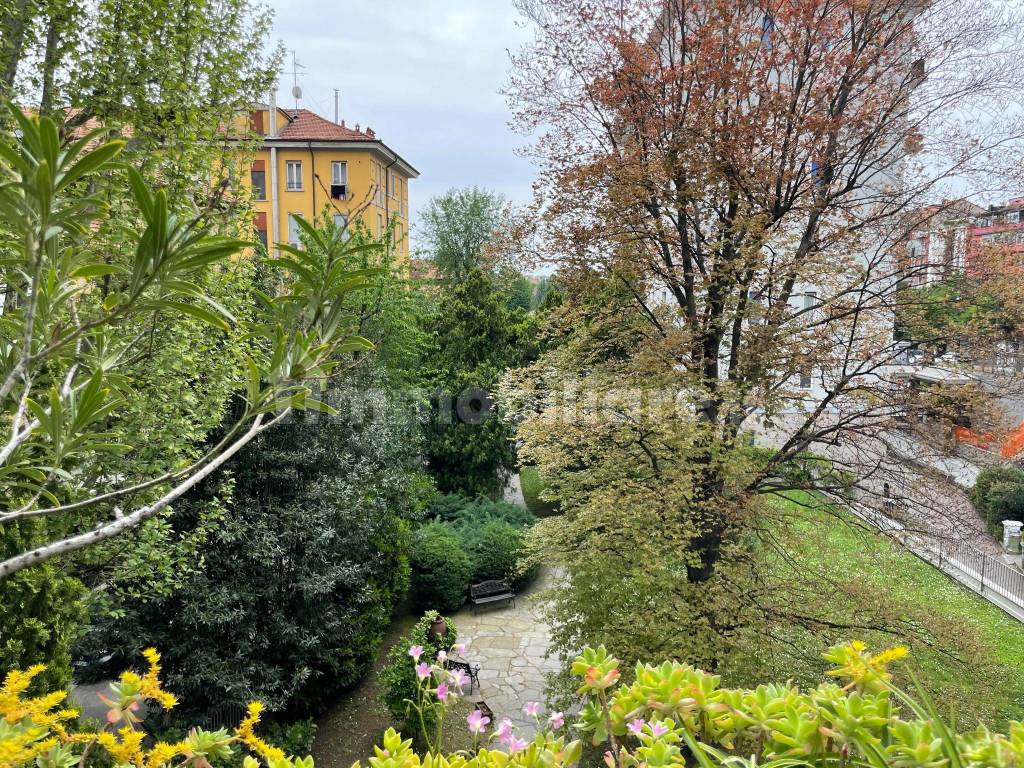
[725, 187]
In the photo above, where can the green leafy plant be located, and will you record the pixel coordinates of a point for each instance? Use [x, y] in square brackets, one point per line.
[673, 714]
[71, 320]
[398, 676]
[441, 571]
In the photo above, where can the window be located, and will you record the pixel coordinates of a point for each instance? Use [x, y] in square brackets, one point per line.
[391, 183]
[805, 378]
[258, 177]
[293, 229]
[341, 224]
[810, 300]
[380, 224]
[339, 179]
[293, 169]
[339, 172]
[261, 228]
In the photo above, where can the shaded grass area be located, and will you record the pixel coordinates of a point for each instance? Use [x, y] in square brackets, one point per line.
[532, 485]
[968, 653]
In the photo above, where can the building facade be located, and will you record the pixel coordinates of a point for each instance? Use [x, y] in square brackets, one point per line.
[945, 240]
[306, 165]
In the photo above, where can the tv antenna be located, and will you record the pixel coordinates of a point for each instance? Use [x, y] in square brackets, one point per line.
[296, 90]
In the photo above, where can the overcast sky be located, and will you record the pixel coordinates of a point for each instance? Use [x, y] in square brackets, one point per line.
[424, 74]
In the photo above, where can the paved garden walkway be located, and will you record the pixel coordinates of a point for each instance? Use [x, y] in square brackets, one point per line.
[509, 643]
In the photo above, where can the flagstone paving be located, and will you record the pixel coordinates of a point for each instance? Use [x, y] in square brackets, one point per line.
[510, 644]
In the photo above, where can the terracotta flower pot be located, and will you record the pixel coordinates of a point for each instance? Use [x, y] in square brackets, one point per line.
[438, 630]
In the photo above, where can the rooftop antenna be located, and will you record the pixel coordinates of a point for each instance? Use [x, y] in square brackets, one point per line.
[335, 105]
[296, 90]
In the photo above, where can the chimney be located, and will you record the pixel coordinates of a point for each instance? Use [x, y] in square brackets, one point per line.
[273, 115]
[369, 132]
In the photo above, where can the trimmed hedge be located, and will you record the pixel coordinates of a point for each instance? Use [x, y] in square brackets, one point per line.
[998, 495]
[441, 570]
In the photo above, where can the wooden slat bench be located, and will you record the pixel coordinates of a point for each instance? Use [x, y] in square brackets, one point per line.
[487, 592]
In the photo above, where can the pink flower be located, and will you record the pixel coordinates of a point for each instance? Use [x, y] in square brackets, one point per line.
[636, 727]
[459, 648]
[441, 657]
[416, 651]
[458, 677]
[658, 730]
[504, 732]
[477, 722]
[517, 745]
[442, 692]
[423, 670]
[532, 708]
[609, 760]
[556, 720]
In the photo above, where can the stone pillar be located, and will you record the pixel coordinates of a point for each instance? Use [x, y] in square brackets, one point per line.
[1011, 535]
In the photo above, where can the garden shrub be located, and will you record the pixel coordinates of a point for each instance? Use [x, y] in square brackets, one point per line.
[441, 571]
[496, 549]
[398, 676]
[460, 511]
[491, 533]
[998, 495]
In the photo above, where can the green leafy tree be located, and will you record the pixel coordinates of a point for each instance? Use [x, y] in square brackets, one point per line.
[476, 338]
[303, 569]
[458, 227]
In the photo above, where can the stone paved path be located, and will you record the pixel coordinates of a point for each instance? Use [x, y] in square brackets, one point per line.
[510, 643]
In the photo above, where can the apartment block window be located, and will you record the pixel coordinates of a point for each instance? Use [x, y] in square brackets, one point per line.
[261, 228]
[810, 300]
[380, 224]
[258, 177]
[293, 229]
[293, 175]
[339, 179]
[805, 378]
[391, 183]
[341, 224]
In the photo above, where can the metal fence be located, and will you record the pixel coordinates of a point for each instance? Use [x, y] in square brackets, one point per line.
[986, 575]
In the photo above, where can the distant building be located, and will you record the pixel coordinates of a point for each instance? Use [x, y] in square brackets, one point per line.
[937, 243]
[306, 162]
[942, 239]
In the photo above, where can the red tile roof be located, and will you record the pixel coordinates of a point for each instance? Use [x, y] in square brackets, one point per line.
[309, 126]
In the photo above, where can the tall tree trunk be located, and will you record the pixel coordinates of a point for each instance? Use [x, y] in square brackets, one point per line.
[14, 24]
[53, 28]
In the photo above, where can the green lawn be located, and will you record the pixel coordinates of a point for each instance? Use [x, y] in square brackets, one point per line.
[969, 653]
[532, 487]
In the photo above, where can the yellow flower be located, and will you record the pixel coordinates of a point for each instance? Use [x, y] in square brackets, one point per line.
[13, 708]
[126, 750]
[149, 685]
[162, 753]
[247, 735]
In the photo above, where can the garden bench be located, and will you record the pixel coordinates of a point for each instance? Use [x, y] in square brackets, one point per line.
[471, 672]
[495, 591]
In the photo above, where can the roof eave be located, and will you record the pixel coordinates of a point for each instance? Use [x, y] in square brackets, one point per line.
[371, 144]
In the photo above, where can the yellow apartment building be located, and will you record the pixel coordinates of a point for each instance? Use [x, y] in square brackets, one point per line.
[305, 162]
